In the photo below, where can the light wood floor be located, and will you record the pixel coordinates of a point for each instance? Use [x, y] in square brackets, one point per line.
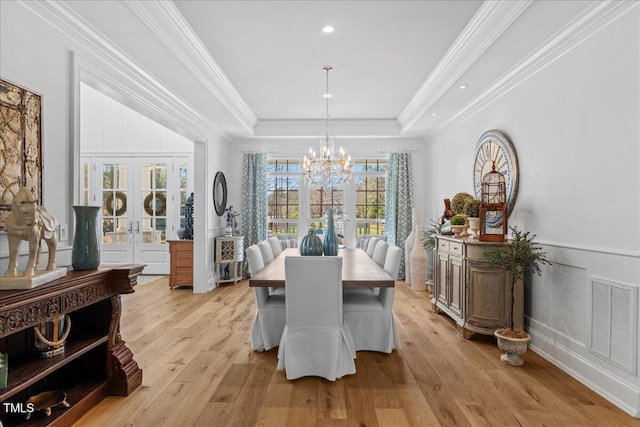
[199, 370]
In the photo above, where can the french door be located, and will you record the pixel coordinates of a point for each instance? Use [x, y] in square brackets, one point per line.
[141, 200]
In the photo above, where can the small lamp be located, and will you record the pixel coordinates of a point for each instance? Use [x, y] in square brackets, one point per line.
[493, 209]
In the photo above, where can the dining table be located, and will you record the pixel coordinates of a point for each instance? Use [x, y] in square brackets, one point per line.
[358, 271]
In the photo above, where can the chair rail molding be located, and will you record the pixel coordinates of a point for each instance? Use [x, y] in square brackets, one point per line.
[491, 20]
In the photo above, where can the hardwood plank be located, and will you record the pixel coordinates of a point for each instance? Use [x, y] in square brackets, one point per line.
[215, 414]
[332, 401]
[200, 370]
[392, 417]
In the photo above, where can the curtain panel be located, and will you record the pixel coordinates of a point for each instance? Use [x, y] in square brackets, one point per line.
[254, 200]
[399, 203]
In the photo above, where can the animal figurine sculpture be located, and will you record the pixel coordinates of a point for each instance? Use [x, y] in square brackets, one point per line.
[30, 222]
[448, 212]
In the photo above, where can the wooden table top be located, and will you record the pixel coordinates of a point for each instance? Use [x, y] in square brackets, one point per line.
[358, 271]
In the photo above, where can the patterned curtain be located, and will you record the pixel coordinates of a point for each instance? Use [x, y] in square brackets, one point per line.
[399, 202]
[254, 200]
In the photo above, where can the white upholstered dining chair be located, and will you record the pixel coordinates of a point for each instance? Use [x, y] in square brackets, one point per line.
[380, 253]
[276, 248]
[370, 317]
[270, 317]
[266, 251]
[315, 341]
[372, 246]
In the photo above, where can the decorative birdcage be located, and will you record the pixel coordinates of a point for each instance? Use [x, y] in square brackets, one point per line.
[493, 209]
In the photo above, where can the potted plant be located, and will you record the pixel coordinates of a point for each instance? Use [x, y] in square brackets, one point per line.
[429, 244]
[472, 210]
[458, 226]
[520, 257]
[457, 204]
[458, 201]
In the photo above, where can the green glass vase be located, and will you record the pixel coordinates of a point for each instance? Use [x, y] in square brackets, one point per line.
[85, 254]
[330, 245]
[311, 244]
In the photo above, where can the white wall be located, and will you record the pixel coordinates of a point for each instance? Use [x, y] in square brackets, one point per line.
[37, 58]
[107, 126]
[39, 52]
[575, 127]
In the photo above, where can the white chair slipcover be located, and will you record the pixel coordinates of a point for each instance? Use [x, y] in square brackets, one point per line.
[370, 317]
[275, 245]
[254, 258]
[392, 261]
[270, 317]
[372, 246]
[315, 341]
[265, 250]
[380, 253]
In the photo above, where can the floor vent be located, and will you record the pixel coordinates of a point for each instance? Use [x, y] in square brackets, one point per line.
[614, 323]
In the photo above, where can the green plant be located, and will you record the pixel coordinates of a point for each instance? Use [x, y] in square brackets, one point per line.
[458, 201]
[458, 219]
[472, 208]
[520, 257]
[429, 236]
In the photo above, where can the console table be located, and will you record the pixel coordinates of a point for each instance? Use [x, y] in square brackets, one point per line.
[471, 291]
[229, 252]
[181, 272]
[96, 362]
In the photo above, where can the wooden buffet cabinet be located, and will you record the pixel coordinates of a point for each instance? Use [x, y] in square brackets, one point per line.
[181, 272]
[469, 290]
[96, 363]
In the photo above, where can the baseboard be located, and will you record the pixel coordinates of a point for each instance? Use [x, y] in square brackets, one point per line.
[624, 395]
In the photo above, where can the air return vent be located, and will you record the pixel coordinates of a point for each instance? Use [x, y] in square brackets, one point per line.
[614, 322]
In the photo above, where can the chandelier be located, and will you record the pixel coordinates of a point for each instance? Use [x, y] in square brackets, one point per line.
[326, 169]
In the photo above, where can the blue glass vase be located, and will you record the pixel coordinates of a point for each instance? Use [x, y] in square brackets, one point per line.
[311, 244]
[330, 245]
[85, 254]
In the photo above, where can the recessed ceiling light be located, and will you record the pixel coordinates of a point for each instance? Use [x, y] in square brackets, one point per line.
[328, 29]
[463, 86]
[434, 114]
[327, 95]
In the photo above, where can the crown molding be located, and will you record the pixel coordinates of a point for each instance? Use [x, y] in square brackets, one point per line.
[132, 80]
[588, 23]
[491, 20]
[168, 24]
[316, 128]
[156, 109]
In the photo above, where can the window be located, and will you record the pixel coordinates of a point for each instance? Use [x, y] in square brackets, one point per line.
[283, 196]
[369, 180]
[182, 189]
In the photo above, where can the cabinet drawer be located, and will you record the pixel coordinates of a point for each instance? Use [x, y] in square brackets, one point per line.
[443, 245]
[455, 248]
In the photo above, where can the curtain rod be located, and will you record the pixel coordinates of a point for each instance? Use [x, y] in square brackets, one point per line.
[251, 150]
[399, 150]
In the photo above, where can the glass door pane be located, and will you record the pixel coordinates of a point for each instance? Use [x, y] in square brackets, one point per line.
[114, 204]
[154, 203]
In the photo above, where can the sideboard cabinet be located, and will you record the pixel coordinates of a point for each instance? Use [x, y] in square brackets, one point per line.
[181, 271]
[95, 363]
[470, 290]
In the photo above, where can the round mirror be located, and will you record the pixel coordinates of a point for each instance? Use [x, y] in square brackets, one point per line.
[220, 193]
